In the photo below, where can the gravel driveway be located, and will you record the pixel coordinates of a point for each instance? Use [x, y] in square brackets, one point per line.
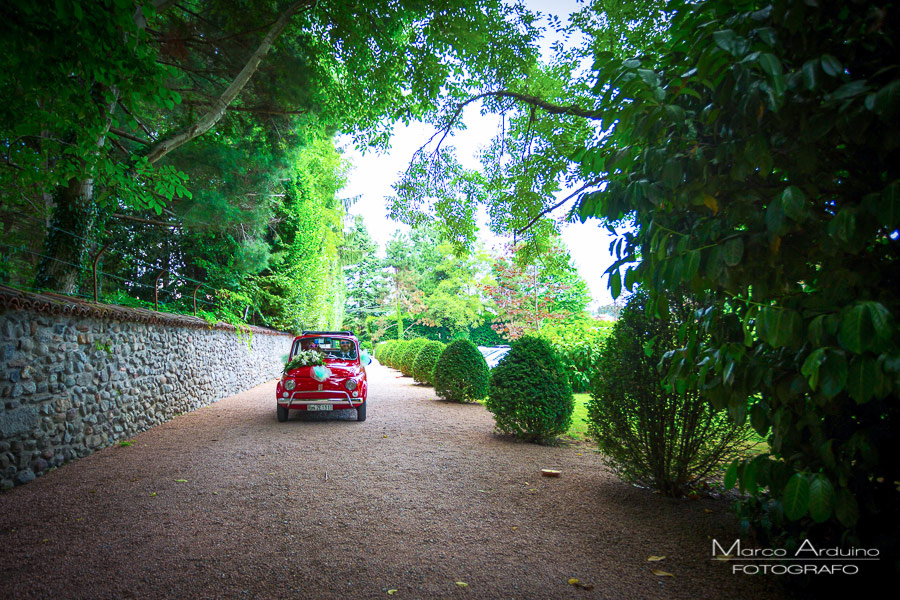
[226, 502]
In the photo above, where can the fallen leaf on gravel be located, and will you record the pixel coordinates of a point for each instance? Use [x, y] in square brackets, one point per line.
[550, 473]
[462, 584]
[655, 558]
[584, 586]
[579, 454]
[391, 592]
[384, 436]
[44, 541]
[181, 481]
[514, 528]
[662, 573]
[152, 493]
[215, 493]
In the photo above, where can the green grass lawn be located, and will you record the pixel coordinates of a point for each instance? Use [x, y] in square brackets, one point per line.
[578, 430]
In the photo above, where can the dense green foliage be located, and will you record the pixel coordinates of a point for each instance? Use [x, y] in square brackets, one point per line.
[530, 396]
[749, 157]
[381, 348]
[423, 367]
[651, 435]
[461, 373]
[408, 358]
[189, 146]
[769, 186]
[392, 356]
[579, 344]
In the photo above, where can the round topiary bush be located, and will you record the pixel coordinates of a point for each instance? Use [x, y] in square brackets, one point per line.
[408, 358]
[461, 373]
[423, 367]
[530, 395]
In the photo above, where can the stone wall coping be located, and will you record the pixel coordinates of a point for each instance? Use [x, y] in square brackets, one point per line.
[58, 304]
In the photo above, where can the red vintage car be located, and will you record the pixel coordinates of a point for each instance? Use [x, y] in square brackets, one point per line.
[340, 382]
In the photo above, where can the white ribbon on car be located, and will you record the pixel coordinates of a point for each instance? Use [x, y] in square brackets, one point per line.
[320, 373]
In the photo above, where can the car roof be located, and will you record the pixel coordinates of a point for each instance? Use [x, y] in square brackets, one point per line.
[337, 334]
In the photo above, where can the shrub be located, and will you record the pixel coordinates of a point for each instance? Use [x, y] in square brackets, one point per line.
[382, 348]
[396, 352]
[392, 350]
[579, 344]
[461, 373]
[409, 355]
[651, 435]
[423, 367]
[530, 395]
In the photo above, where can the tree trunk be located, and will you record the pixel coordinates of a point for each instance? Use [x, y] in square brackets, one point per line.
[64, 253]
[71, 225]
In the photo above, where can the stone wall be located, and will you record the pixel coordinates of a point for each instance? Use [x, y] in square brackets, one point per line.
[70, 384]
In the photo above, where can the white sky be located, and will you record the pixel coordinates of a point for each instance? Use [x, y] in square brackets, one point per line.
[374, 174]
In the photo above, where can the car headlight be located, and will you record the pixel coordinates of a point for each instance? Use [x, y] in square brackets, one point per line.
[289, 384]
[350, 384]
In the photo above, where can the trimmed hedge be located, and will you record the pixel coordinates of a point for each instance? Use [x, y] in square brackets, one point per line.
[461, 373]
[530, 395]
[423, 368]
[395, 352]
[380, 347]
[408, 358]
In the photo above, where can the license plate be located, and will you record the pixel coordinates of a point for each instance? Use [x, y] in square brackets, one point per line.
[318, 407]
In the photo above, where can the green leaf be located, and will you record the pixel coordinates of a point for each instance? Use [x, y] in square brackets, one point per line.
[831, 65]
[863, 379]
[810, 368]
[732, 251]
[774, 218]
[770, 64]
[793, 201]
[759, 418]
[845, 508]
[615, 284]
[731, 475]
[779, 327]
[833, 374]
[856, 329]
[886, 100]
[749, 477]
[821, 498]
[810, 75]
[889, 206]
[691, 264]
[796, 496]
[843, 225]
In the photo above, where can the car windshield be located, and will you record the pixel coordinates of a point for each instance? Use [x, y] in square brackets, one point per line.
[330, 347]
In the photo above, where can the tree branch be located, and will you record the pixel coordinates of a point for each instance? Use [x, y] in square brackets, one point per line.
[253, 109]
[591, 183]
[129, 136]
[163, 147]
[146, 221]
